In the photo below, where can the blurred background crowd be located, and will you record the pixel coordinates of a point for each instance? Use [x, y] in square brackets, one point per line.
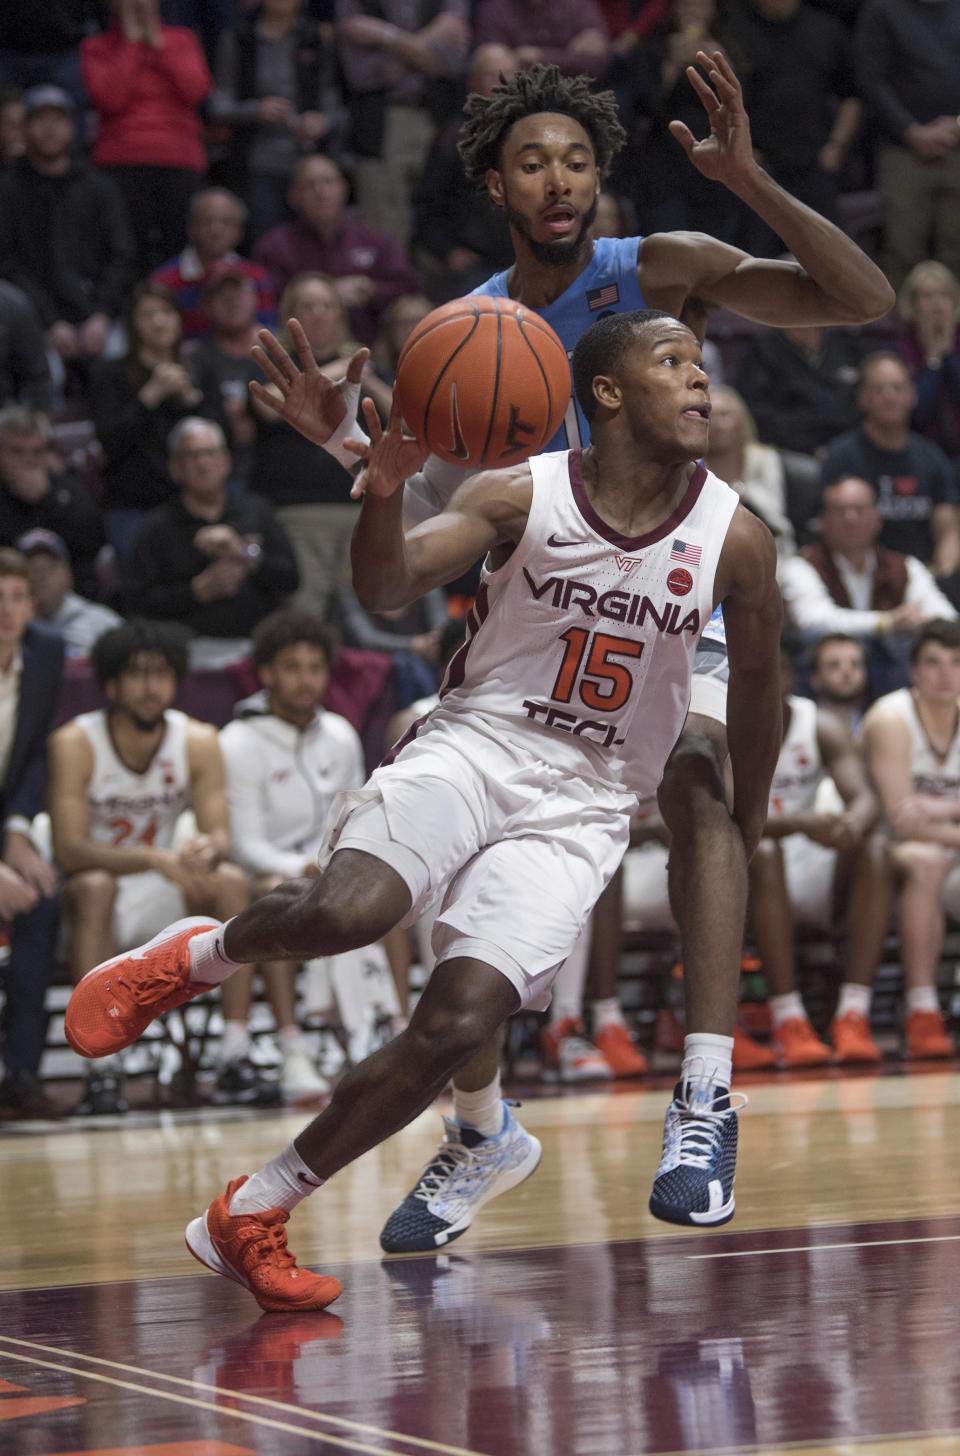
[176, 174]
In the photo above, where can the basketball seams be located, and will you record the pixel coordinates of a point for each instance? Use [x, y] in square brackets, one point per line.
[521, 328]
[491, 378]
[495, 397]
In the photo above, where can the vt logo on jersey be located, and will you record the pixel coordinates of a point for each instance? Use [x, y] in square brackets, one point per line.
[627, 563]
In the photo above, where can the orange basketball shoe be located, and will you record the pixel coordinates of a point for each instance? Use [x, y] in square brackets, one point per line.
[750, 1055]
[619, 1051]
[796, 1044]
[116, 1001]
[251, 1249]
[926, 1036]
[851, 1039]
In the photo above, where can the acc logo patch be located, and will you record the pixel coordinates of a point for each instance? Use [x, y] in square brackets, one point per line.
[679, 581]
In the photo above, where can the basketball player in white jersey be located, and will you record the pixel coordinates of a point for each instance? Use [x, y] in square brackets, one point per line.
[120, 777]
[911, 739]
[810, 864]
[514, 800]
[541, 144]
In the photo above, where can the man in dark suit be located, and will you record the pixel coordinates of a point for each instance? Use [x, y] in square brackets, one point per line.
[31, 663]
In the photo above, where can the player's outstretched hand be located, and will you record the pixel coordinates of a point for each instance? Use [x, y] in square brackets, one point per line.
[726, 155]
[312, 403]
[389, 458]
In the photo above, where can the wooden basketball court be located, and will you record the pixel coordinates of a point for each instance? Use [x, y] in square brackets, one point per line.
[565, 1322]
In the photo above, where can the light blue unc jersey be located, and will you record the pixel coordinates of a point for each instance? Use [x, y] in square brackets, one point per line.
[608, 284]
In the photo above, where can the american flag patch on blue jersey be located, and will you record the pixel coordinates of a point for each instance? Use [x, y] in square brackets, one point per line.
[683, 551]
[603, 297]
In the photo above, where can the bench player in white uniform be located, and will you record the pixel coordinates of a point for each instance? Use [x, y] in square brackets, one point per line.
[542, 144]
[514, 801]
[120, 778]
[812, 865]
[911, 740]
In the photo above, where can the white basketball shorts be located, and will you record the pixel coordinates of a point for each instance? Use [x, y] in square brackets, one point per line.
[518, 849]
[810, 871]
[145, 903]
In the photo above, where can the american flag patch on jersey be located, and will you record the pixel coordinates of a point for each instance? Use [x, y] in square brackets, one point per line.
[603, 297]
[683, 551]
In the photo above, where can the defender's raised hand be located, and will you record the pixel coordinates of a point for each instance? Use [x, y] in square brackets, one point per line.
[726, 155]
[320, 408]
[389, 457]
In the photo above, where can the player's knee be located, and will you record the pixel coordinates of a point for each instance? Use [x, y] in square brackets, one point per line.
[91, 892]
[449, 1035]
[920, 861]
[692, 783]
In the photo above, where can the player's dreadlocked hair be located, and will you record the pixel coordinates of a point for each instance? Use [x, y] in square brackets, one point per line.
[541, 88]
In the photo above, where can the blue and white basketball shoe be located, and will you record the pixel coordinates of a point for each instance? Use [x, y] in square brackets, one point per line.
[467, 1170]
[694, 1182]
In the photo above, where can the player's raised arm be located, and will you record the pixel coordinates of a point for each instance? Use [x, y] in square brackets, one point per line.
[832, 282]
[752, 614]
[392, 568]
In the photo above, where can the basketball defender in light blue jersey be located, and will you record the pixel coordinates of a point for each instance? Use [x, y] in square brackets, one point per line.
[541, 145]
[608, 284]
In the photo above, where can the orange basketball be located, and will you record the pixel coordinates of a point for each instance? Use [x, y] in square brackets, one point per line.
[483, 382]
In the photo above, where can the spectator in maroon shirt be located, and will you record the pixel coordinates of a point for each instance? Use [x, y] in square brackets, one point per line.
[369, 268]
[145, 80]
[570, 34]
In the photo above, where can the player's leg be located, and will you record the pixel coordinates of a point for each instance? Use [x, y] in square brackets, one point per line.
[924, 871]
[568, 1054]
[90, 897]
[611, 1035]
[358, 898]
[869, 898]
[241, 1234]
[789, 876]
[707, 876]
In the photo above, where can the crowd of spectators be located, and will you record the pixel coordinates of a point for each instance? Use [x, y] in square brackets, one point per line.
[168, 188]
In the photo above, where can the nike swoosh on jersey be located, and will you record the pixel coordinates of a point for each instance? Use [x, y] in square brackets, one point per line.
[555, 541]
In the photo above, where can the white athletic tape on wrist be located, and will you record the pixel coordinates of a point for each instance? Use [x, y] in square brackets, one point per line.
[348, 427]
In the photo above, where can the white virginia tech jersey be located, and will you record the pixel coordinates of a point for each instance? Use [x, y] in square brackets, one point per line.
[581, 645]
[129, 808]
[800, 767]
[932, 773]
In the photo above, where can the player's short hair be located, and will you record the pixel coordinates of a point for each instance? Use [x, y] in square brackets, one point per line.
[539, 88]
[603, 346]
[828, 640]
[941, 631]
[115, 649]
[12, 563]
[288, 628]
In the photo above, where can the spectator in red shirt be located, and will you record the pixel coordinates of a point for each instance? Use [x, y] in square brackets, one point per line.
[369, 269]
[145, 80]
[216, 219]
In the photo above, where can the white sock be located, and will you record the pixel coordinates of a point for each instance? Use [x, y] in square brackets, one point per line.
[291, 1037]
[282, 1183]
[922, 998]
[854, 997]
[786, 1008]
[482, 1110]
[208, 963]
[707, 1062]
[235, 1042]
[607, 1013]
